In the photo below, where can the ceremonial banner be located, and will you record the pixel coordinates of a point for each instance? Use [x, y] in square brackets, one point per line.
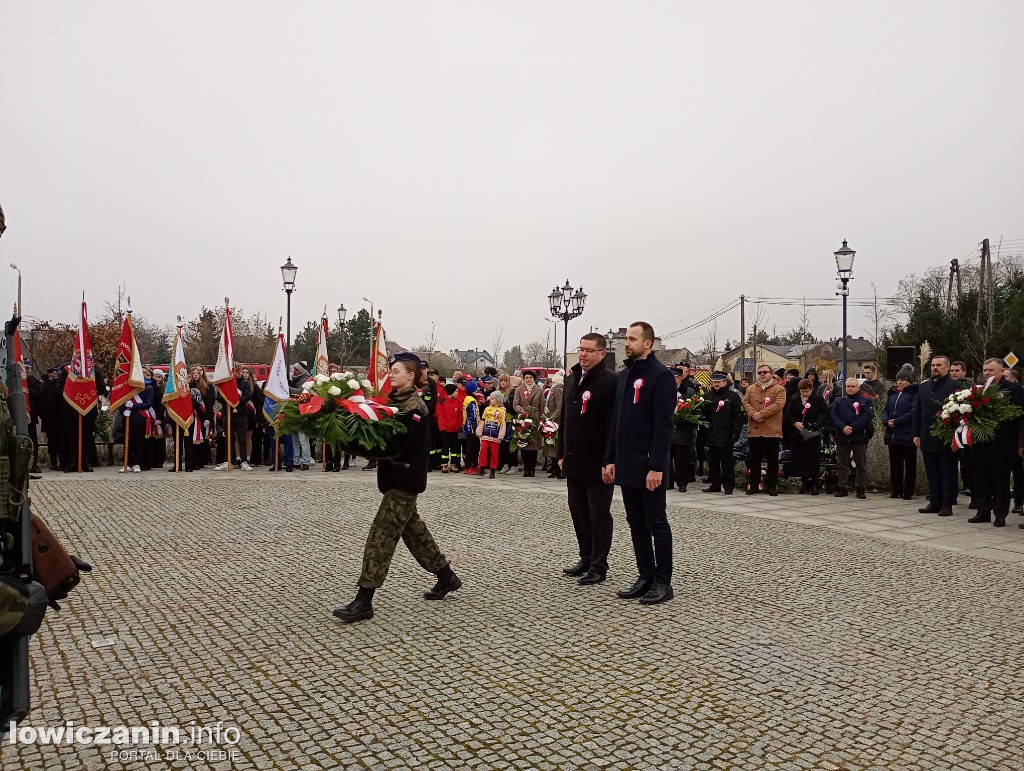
[20, 359]
[80, 387]
[177, 397]
[128, 378]
[224, 372]
[377, 373]
[275, 390]
[320, 365]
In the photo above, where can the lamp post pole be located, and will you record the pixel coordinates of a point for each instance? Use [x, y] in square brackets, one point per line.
[20, 311]
[566, 304]
[288, 271]
[844, 265]
[341, 331]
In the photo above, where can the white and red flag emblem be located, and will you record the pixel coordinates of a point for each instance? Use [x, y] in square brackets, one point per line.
[19, 358]
[224, 372]
[321, 363]
[80, 387]
[378, 370]
[177, 398]
[128, 377]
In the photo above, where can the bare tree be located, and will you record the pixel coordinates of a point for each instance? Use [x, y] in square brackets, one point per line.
[536, 352]
[710, 343]
[496, 343]
[879, 319]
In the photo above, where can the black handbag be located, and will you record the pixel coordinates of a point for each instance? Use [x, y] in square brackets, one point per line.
[809, 434]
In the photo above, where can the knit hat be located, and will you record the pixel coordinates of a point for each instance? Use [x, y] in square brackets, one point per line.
[907, 373]
[450, 389]
[471, 387]
[496, 395]
[557, 379]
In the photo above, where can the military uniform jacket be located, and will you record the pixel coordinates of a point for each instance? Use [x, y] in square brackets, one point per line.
[407, 469]
[583, 432]
[640, 438]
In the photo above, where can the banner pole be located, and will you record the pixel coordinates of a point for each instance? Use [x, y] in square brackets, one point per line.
[229, 449]
[79, 442]
[127, 438]
[277, 452]
[177, 447]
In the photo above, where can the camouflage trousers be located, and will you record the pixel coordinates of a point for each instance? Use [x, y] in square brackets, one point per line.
[397, 518]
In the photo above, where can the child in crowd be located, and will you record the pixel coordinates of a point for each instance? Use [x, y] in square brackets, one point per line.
[491, 431]
[449, 421]
[470, 418]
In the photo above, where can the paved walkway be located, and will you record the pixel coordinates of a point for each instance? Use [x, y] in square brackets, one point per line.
[804, 634]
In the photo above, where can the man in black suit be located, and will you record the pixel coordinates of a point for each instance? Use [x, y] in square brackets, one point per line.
[940, 464]
[994, 460]
[636, 458]
[587, 405]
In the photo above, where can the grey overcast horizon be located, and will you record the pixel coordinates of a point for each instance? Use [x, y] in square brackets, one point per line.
[453, 161]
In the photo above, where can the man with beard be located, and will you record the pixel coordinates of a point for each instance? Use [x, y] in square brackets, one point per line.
[637, 459]
[939, 460]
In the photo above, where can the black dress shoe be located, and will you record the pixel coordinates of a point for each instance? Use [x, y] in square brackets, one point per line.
[772, 492]
[447, 582]
[895, 494]
[977, 519]
[658, 593]
[860, 494]
[728, 491]
[752, 491]
[638, 589]
[590, 578]
[946, 512]
[1018, 509]
[682, 488]
[931, 508]
[999, 522]
[578, 569]
[712, 489]
[908, 496]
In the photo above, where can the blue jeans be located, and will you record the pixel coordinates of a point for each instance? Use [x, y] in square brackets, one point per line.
[300, 443]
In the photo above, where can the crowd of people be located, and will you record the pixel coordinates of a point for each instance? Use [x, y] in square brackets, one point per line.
[605, 429]
[780, 420]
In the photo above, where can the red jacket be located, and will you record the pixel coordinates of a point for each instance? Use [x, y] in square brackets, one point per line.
[449, 412]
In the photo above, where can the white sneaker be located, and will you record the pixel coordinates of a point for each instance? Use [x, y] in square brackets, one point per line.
[136, 470]
[124, 469]
[221, 467]
[246, 466]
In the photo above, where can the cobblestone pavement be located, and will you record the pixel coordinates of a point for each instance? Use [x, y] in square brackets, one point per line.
[789, 644]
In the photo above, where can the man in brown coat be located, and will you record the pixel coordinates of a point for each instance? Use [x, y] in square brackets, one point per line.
[763, 403]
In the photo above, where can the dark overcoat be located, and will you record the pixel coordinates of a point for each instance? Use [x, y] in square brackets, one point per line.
[640, 438]
[583, 433]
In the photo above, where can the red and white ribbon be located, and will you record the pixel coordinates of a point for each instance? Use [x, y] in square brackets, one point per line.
[586, 398]
[767, 400]
[962, 434]
[637, 385]
[856, 407]
[807, 406]
[721, 404]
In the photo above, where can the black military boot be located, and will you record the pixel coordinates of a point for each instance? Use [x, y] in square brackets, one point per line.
[447, 582]
[360, 609]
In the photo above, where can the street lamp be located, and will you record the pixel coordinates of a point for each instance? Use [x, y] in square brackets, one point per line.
[19, 288]
[565, 304]
[341, 315]
[844, 266]
[288, 271]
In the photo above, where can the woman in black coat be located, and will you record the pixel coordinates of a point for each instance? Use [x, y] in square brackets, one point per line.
[806, 410]
[683, 436]
[898, 418]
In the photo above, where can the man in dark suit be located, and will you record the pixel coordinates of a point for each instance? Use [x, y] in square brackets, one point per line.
[940, 464]
[585, 417]
[637, 459]
[994, 460]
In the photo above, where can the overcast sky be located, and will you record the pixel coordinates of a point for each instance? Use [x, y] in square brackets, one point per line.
[452, 161]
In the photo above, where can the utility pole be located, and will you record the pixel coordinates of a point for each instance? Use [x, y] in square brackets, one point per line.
[743, 334]
[986, 288]
[954, 268]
